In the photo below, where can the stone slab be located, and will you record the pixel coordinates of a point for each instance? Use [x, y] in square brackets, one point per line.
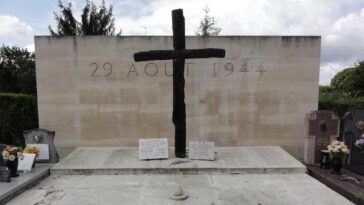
[201, 150]
[251, 189]
[228, 160]
[257, 95]
[23, 182]
[153, 148]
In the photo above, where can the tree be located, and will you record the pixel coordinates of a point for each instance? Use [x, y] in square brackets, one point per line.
[350, 80]
[17, 70]
[208, 25]
[94, 21]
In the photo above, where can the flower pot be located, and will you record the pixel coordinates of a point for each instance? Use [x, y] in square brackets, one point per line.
[336, 164]
[13, 167]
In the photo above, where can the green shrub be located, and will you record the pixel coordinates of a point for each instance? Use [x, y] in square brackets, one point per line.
[18, 112]
[339, 104]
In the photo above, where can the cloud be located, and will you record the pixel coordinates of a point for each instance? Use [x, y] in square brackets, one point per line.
[338, 22]
[12, 27]
[329, 70]
[30, 47]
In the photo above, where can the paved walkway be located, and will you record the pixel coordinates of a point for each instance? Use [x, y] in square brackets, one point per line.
[249, 189]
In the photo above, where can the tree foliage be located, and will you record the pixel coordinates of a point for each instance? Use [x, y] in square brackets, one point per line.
[94, 21]
[208, 25]
[17, 70]
[18, 112]
[346, 90]
[350, 80]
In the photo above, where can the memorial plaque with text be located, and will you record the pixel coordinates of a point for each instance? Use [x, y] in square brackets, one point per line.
[26, 162]
[153, 148]
[201, 150]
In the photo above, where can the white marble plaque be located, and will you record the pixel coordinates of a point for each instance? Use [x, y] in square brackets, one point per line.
[201, 150]
[44, 151]
[26, 162]
[153, 148]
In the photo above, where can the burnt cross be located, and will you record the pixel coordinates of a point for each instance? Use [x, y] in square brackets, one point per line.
[178, 55]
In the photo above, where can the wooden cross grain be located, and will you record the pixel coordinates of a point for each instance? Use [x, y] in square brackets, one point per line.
[178, 55]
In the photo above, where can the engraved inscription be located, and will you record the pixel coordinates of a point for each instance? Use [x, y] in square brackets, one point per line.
[106, 70]
[153, 69]
[153, 148]
[201, 150]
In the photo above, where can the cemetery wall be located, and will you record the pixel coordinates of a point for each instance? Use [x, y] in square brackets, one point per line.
[92, 93]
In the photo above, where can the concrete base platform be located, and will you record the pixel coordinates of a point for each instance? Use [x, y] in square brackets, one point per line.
[244, 175]
[249, 189]
[229, 160]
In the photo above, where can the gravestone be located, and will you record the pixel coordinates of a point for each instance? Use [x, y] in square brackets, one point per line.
[4, 172]
[321, 127]
[44, 140]
[353, 129]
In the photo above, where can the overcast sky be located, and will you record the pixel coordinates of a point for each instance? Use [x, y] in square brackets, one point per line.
[339, 22]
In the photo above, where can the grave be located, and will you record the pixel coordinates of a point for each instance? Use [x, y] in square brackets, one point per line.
[352, 131]
[44, 140]
[322, 127]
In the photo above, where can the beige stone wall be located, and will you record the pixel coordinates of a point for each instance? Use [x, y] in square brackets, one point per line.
[92, 93]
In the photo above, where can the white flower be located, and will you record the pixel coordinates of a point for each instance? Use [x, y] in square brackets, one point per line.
[345, 150]
[335, 142]
[5, 157]
[11, 157]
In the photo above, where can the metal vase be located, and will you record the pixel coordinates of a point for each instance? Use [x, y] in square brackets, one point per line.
[336, 164]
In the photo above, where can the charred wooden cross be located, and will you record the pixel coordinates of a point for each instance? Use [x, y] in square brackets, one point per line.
[178, 55]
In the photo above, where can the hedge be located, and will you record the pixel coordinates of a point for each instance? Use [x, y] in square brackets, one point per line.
[340, 105]
[18, 112]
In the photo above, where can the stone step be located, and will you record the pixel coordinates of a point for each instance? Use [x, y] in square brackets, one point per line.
[228, 160]
[23, 182]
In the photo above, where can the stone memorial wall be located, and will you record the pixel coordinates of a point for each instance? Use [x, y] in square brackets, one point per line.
[92, 93]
